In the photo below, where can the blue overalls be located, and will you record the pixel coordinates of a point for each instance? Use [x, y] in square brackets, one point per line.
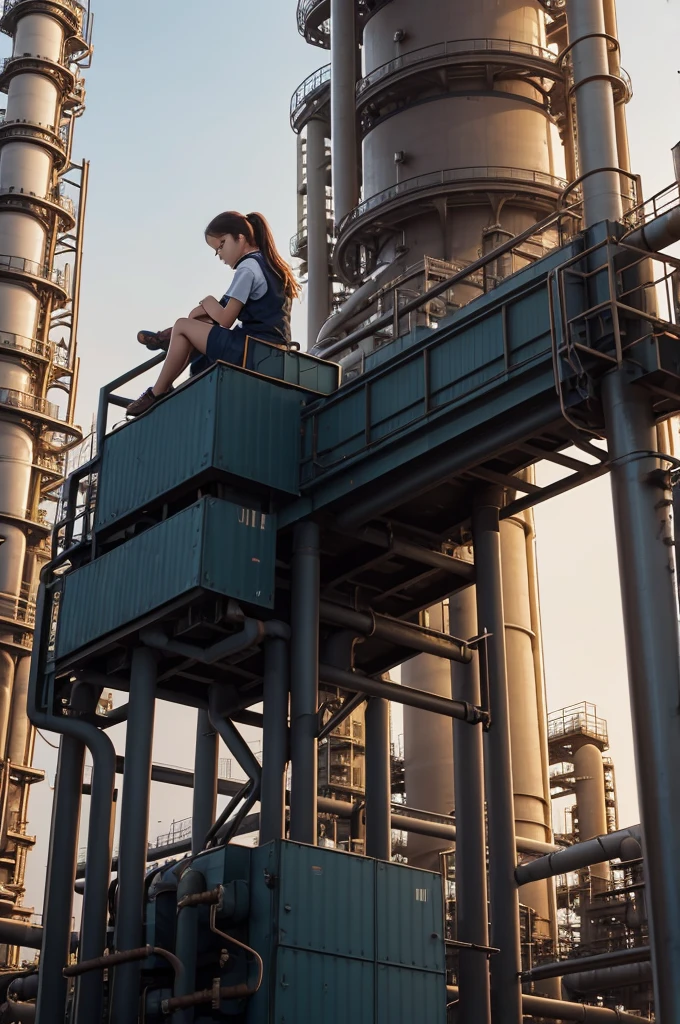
[267, 318]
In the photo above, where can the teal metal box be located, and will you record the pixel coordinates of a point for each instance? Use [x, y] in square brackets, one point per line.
[226, 424]
[213, 546]
[345, 938]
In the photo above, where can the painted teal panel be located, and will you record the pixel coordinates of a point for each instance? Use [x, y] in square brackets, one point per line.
[228, 420]
[410, 917]
[309, 988]
[213, 544]
[326, 901]
[297, 368]
[409, 997]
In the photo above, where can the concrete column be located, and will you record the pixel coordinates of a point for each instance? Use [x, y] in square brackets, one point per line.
[594, 111]
[344, 146]
[318, 278]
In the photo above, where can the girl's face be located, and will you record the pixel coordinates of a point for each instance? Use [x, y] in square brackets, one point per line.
[227, 248]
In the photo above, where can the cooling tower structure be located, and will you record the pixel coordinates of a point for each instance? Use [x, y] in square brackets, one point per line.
[40, 251]
[451, 130]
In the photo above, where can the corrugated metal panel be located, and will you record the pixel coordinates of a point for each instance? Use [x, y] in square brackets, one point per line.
[409, 997]
[326, 901]
[239, 424]
[213, 544]
[313, 989]
[410, 917]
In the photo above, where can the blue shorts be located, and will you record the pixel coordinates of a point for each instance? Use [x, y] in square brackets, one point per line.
[226, 345]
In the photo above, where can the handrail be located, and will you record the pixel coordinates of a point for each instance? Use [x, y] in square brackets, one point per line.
[77, 8]
[65, 202]
[31, 403]
[321, 76]
[25, 266]
[423, 181]
[24, 344]
[59, 134]
[454, 46]
[35, 56]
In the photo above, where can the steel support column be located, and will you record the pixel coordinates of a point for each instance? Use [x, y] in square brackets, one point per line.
[344, 146]
[61, 875]
[642, 505]
[205, 781]
[506, 992]
[472, 914]
[304, 688]
[378, 782]
[274, 741]
[318, 280]
[134, 824]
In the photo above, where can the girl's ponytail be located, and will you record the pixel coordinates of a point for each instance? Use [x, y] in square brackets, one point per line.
[264, 240]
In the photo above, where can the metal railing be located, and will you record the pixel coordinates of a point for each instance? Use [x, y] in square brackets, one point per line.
[662, 202]
[450, 177]
[31, 403]
[72, 5]
[21, 607]
[304, 10]
[24, 266]
[320, 77]
[52, 133]
[65, 202]
[35, 56]
[452, 47]
[579, 720]
[20, 343]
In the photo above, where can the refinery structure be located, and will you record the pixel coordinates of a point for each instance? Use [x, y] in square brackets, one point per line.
[487, 288]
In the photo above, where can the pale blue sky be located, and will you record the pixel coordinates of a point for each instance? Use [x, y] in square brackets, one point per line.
[187, 114]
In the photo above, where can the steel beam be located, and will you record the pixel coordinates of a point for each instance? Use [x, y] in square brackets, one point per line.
[642, 504]
[506, 993]
[205, 781]
[472, 915]
[134, 823]
[274, 740]
[304, 690]
[378, 779]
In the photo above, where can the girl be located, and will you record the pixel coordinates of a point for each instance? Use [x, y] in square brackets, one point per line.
[259, 295]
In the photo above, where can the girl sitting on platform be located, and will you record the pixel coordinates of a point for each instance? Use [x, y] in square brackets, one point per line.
[259, 296]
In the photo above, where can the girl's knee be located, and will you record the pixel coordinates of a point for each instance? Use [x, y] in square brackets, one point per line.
[182, 323]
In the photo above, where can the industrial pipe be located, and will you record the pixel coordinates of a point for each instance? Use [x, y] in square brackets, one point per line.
[275, 740]
[344, 144]
[558, 1009]
[657, 234]
[205, 781]
[625, 844]
[192, 883]
[561, 968]
[605, 978]
[417, 638]
[252, 633]
[21, 1013]
[16, 933]
[358, 683]
[378, 779]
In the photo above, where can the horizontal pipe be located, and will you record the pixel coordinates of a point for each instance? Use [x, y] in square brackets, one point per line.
[125, 956]
[558, 1009]
[417, 553]
[607, 978]
[625, 844]
[358, 683]
[417, 638]
[656, 234]
[181, 777]
[561, 968]
[16, 933]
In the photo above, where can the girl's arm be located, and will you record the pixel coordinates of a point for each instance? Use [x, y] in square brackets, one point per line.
[225, 316]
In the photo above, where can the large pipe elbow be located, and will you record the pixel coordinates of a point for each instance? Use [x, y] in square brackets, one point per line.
[356, 304]
[657, 234]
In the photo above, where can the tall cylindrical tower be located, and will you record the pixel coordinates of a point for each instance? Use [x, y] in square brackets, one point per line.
[40, 245]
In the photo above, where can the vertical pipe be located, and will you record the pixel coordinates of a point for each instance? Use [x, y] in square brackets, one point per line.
[61, 874]
[318, 281]
[344, 147]
[612, 29]
[274, 740]
[594, 111]
[304, 688]
[205, 781]
[506, 993]
[472, 914]
[378, 781]
[186, 943]
[642, 503]
[134, 825]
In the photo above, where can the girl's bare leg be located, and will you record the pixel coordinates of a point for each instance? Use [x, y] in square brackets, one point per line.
[187, 335]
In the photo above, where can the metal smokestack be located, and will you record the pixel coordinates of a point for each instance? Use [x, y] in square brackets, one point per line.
[38, 222]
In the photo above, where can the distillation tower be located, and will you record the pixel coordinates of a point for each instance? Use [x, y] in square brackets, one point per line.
[451, 128]
[42, 202]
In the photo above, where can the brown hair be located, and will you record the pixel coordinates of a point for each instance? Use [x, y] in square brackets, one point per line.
[256, 231]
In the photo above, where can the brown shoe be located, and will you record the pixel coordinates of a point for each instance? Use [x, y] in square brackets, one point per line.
[142, 404]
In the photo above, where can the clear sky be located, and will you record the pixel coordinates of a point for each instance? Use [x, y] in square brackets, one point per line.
[187, 114]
